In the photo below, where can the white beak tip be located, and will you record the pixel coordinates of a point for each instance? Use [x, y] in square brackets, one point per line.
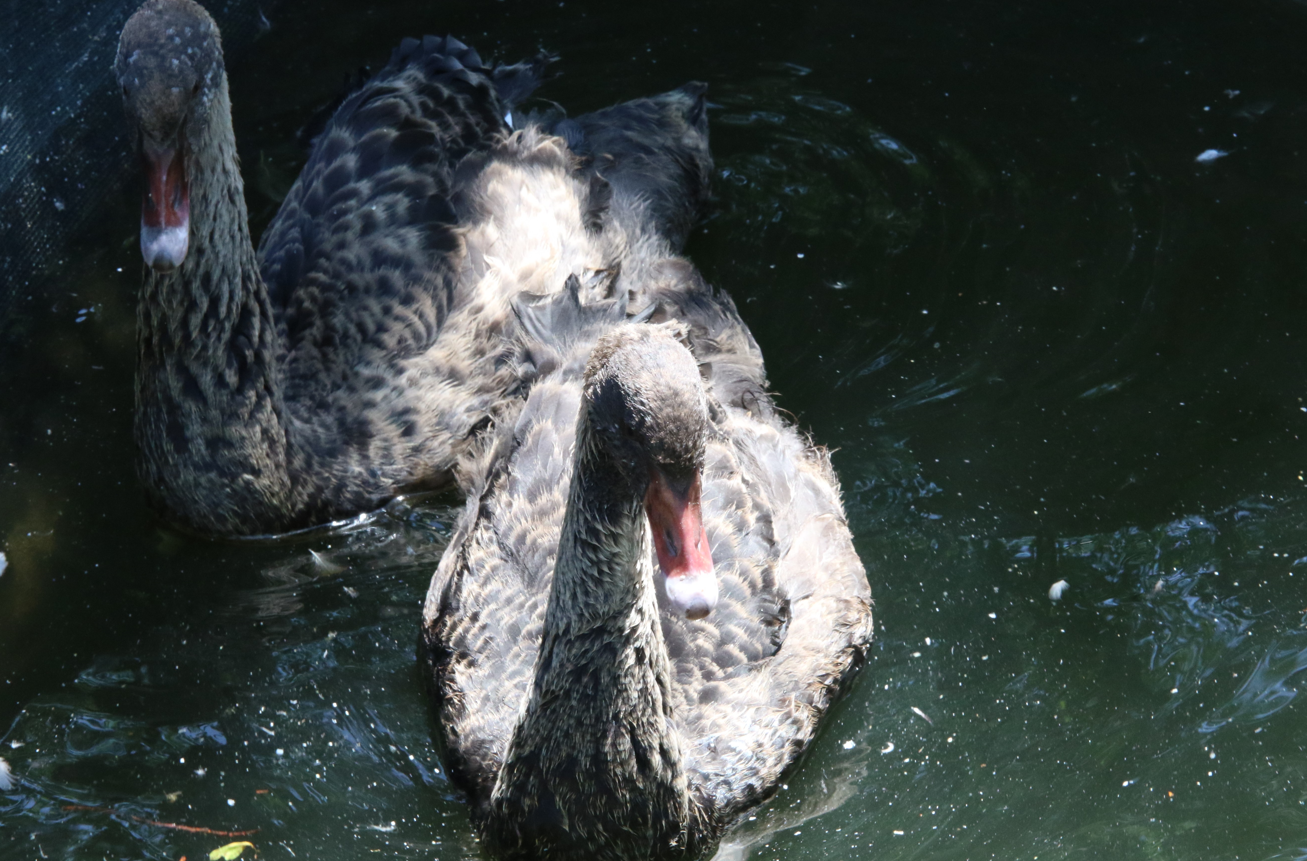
[164, 248]
[692, 595]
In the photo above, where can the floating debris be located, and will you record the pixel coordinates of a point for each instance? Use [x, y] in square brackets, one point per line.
[6, 777]
[1208, 155]
[1057, 590]
[230, 852]
[888, 748]
[384, 829]
[919, 713]
[189, 829]
[849, 745]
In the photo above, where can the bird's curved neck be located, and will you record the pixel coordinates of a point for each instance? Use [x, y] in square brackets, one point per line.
[194, 303]
[208, 411]
[596, 756]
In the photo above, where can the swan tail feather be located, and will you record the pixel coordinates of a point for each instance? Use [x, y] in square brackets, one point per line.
[653, 151]
[517, 82]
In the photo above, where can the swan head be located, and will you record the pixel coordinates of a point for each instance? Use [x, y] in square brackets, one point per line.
[647, 407]
[169, 68]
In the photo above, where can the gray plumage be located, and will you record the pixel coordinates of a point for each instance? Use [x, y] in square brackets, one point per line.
[361, 351]
[584, 719]
[285, 388]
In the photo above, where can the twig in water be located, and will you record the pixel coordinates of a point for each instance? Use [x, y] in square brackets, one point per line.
[191, 829]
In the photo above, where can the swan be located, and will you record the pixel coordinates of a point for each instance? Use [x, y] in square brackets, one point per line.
[359, 352]
[587, 711]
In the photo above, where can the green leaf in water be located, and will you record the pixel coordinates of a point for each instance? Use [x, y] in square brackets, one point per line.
[230, 852]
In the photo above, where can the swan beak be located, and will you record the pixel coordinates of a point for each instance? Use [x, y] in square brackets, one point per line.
[165, 210]
[682, 545]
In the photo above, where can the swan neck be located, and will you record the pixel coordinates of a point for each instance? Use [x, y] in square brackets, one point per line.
[596, 751]
[603, 577]
[209, 418]
[221, 269]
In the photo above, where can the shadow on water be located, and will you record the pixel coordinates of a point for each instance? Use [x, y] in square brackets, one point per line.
[978, 248]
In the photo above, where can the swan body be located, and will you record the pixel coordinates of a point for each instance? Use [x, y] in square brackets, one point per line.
[327, 372]
[584, 710]
[359, 352]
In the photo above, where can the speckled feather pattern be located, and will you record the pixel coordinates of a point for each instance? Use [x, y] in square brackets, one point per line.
[315, 379]
[361, 352]
[749, 683]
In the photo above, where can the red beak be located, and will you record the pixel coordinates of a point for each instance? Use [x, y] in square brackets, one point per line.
[682, 545]
[165, 210]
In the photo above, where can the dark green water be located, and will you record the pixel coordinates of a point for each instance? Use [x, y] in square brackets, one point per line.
[976, 246]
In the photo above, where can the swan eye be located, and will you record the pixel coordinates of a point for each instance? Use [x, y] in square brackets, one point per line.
[126, 93]
[195, 90]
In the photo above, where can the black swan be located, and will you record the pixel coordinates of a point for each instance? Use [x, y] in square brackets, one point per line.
[359, 353]
[587, 713]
